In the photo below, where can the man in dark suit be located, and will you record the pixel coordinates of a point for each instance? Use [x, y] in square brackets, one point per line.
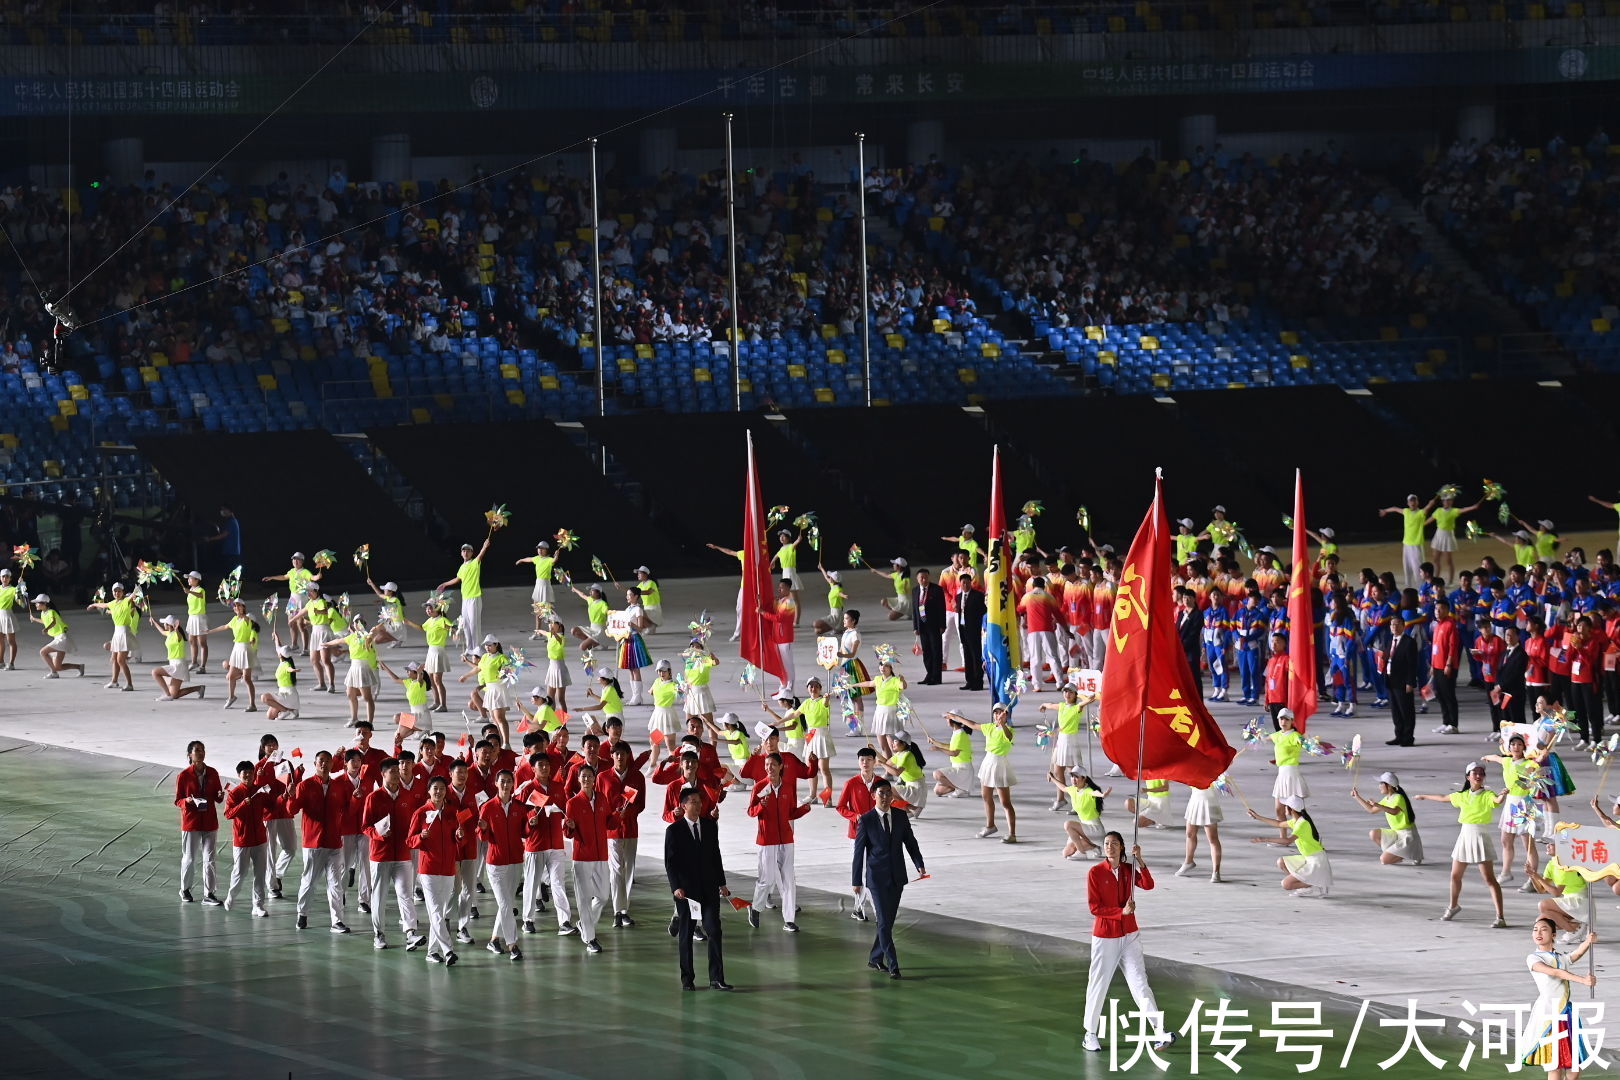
[970, 605]
[692, 863]
[1510, 674]
[928, 620]
[1402, 673]
[880, 834]
[1188, 627]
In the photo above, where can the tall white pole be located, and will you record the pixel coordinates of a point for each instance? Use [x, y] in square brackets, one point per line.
[866, 291]
[596, 288]
[731, 254]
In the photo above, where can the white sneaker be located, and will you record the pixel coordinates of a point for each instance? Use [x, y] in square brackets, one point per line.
[165, 697]
[114, 686]
[1350, 710]
[1079, 856]
[1215, 879]
[1186, 869]
[1505, 878]
[988, 830]
[1167, 1038]
[1441, 730]
[1090, 1043]
[53, 675]
[1450, 913]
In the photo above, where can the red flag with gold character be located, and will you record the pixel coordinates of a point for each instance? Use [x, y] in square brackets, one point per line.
[1153, 720]
[1301, 619]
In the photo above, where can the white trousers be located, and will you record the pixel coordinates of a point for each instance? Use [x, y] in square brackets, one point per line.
[738, 631]
[246, 861]
[438, 890]
[197, 846]
[552, 868]
[785, 651]
[953, 636]
[776, 873]
[1107, 956]
[1082, 641]
[1042, 646]
[323, 862]
[472, 624]
[392, 875]
[621, 872]
[283, 845]
[466, 889]
[356, 857]
[1099, 648]
[1411, 563]
[590, 894]
[503, 882]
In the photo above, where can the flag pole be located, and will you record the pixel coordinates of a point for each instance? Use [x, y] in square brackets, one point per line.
[1141, 722]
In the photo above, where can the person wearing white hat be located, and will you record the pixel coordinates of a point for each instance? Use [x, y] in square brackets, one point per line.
[666, 715]
[315, 621]
[786, 562]
[965, 542]
[1443, 543]
[361, 681]
[239, 666]
[1414, 516]
[470, 580]
[390, 609]
[1399, 842]
[1545, 539]
[1219, 531]
[283, 701]
[544, 563]
[1475, 805]
[736, 631]
[1071, 714]
[557, 678]
[652, 598]
[633, 655]
[899, 605]
[490, 700]
[1186, 541]
[171, 677]
[297, 578]
[418, 687]
[59, 645]
[12, 600]
[1289, 790]
[121, 609]
[837, 597]
[197, 621]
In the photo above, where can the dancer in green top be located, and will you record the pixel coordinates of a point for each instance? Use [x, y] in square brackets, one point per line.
[121, 609]
[1475, 804]
[1399, 841]
[1414, 515]
[1444, 541]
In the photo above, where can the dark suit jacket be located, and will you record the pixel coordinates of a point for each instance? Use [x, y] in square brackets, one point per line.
[934, 597]
[970, 609]
[692, 867]
[880, 854]
[1188, 625]
[1510, 674]
[1403, 663]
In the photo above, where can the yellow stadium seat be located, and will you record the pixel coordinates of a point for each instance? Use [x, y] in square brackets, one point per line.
[1148, 342]
[895, 341]
[1236, 385]
[1073, 218]
[1437, 356]
[824, 213]
[942, 326]
[1417, 320]
[149, 374]
[280, 325]
[509, 371]
[936, 224]
[828, 330]
[1299, 362]
[1564, 290]
[824, 395]
[990, 350]
[967, 375]
[836, 356]
[587, 341]
[1575, 10]
[644, 351]
[1161, 380]
[67, 407]
[1106, 356]
[59, 423]
[1289, 337]
[1181, 240]
[267, 382]
[1600, 326]
[797, 371]
[159, 359]
[702, 374]
[746, 385]
[1116, 24]
[1096, 333]
[627, 365]
[516, 396]
[307, 353]
[421, 416]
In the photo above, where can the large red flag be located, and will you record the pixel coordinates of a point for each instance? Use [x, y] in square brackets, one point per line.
[759, 631]
[1301, 619]
[1153, 720]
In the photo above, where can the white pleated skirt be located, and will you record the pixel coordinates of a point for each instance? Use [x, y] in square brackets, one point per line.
[436, 663]
[62, 643]
[818, 741]
[360, 676]
[963, 777]
[557, 674]
[699, 701]
[1066, 749]
[1311, 869]
[1474, 845]
[1444, 540]
[1093, 830]
[8, 623]
[1156, 808]
[176, 669]
[1404, 843]
[119, 642]
[1290, 789]
[886, 720]
[996, 770]
[288, 696]
[196, 624]
[541, 593]
[1203, 807]
[666, 719]
[241, 657]
[495, 695]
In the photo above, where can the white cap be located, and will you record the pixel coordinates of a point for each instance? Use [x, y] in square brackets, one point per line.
[1185, 521]
[1218, 509]
[1106, 547]
[1545, 524]
[468, 547]
[1285, 711]
[40, 598]
[171, 620]
[542, 544]
[1269, 549]
[815, 679]
[195, 574]
[967, 528]
[1521, 534]
[491, 639]
[119, 585]
[1389, 778]
[662, 665]
[5, 572]
[901, 735]
[833, 574]
[297, 555]
[284, 651]
[1066, 687]
[536, 691]
[1472, 765]
[1327, 533]
[643, 570]
[413, 666]
[1411, 497]
[391, 586]
[898, 561]
[312, 586]
[726, 718]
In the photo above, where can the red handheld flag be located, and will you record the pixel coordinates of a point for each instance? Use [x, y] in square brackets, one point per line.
[297, 751]
[463, 817]
[656, 737]
[1153, 720]
[737, 902]
[1301, 619]
[538, 798]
